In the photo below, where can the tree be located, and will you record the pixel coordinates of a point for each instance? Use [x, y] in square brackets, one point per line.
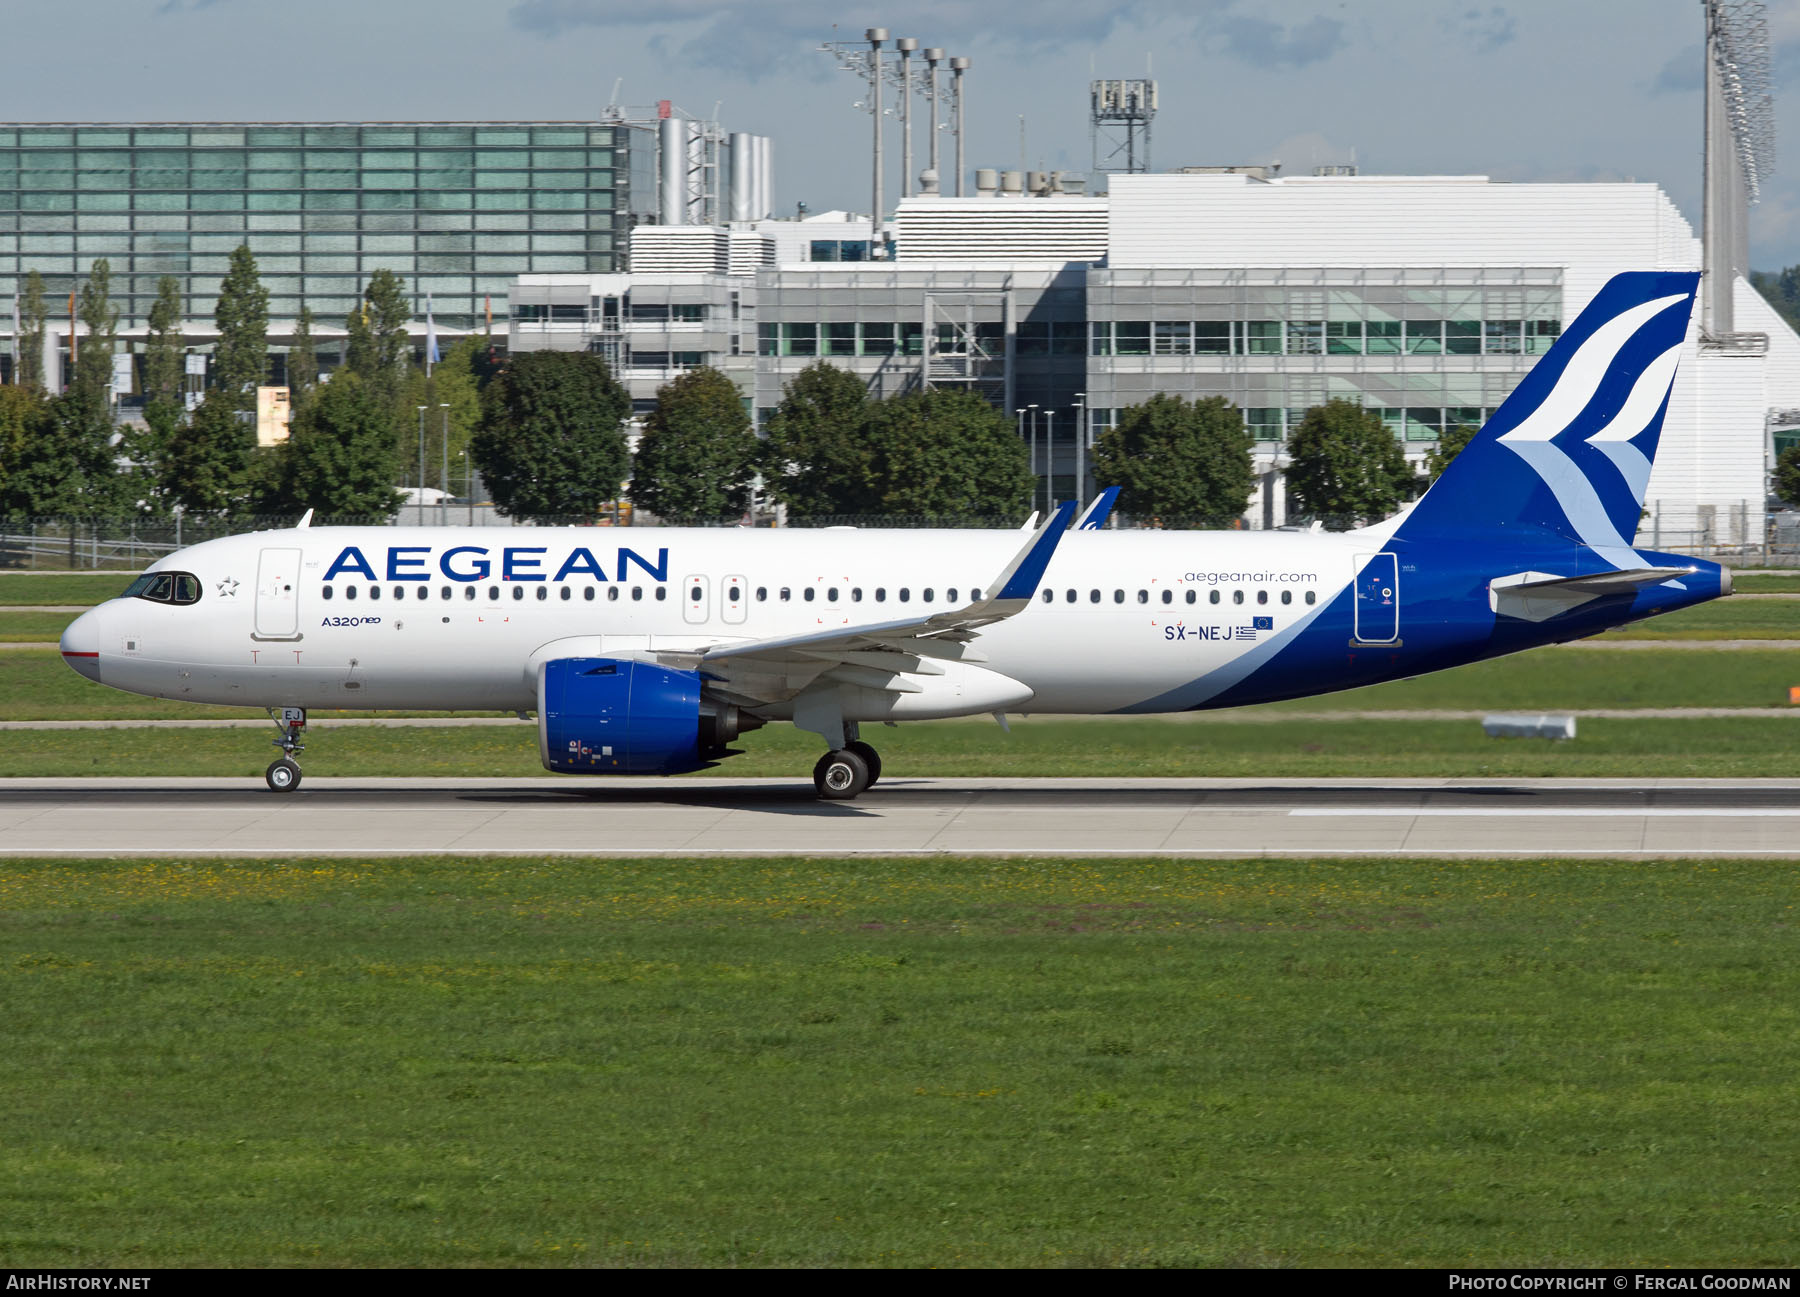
[1174, 458]
[1782, 291]
[34, 317]
[698, 452]
[1449, 446]
[340, 456]
[302, 359]
[1787, 475]
[163, 379]
[946, 454]
[550, 444]
[24, 428]
[452, 383]
[377, 349]
[241, 358]
[1345, 465]
[816, 457]
[93, 486]
[205, 467]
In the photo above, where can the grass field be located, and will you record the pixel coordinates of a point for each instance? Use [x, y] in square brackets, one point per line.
[1752, 582]
[35, 685]
[441, 1062]
[1734, 748]
[17, 588]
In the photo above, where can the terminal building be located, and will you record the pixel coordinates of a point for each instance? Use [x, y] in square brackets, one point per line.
[1425, 299]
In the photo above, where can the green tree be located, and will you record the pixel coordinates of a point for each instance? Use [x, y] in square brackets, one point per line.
[84, 413]
[241, 358]
[452, 383]
[204, 469]
[817, 456]
[302, 359]
[1787, 475]
[1178, 459]
[1780, 290]
[25, 426]
[946, 454]
[164, 411]
[378, 349]
[698, 452]
[34, 318]
[340, 457]
[550, 443]
[1449, 446]
[1345, 465]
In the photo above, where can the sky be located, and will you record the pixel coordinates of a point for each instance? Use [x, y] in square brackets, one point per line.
[1515, 90]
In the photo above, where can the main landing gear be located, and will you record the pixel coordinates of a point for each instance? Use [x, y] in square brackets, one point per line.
[283, 774]
[844, 772]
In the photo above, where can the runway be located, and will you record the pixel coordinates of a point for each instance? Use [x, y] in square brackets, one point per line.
[1054, 817]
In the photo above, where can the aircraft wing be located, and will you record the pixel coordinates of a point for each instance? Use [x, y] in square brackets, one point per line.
[878, 655]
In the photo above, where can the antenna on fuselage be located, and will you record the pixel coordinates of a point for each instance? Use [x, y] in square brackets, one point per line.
[305, 521]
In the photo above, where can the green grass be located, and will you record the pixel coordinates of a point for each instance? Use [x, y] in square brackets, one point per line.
[35, 685]
[17, 588]
[918, 1062]
[1043, 746]
[45, 627]
[1725, 619]
[1748, 582]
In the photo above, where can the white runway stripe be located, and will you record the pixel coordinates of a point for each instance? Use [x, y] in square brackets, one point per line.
[1568, 812]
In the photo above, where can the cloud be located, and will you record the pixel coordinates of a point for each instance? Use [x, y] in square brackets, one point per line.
[1265, 44]
[1483, 30]
[179, 6]
[1681, 75]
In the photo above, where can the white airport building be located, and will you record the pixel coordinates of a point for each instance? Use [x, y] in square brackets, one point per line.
[1425, 299]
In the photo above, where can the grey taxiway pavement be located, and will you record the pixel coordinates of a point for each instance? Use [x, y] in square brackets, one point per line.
[1068, 817]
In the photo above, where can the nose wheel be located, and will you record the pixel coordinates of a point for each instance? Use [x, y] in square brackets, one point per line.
[283, 774]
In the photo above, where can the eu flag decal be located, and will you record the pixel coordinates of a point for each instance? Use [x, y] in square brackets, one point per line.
[1263, 623]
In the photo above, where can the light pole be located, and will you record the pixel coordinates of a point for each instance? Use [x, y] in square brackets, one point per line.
[444, 460]
[1049, 459]
[1080, 445]
[420, 500]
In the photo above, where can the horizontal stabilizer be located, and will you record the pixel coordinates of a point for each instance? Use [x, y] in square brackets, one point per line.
[1539, 596]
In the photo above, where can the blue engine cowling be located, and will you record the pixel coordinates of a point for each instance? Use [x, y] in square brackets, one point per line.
[609, 716]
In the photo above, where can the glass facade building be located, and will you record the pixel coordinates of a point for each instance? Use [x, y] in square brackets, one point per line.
[456, 209]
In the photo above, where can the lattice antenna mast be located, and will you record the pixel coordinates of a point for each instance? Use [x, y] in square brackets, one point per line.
[1740, 148]
[1119, 117]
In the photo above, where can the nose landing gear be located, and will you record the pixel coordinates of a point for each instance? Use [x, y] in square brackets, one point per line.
[283, 774]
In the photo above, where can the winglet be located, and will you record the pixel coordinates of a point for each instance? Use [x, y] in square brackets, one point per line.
[1095, 515]
[1021, 577]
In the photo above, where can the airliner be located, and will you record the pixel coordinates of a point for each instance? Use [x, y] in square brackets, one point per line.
[651, 650]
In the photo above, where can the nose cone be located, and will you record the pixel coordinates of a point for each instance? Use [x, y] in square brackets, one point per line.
[81, 644]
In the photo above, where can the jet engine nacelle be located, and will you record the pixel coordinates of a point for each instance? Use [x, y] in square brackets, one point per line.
[613, 716]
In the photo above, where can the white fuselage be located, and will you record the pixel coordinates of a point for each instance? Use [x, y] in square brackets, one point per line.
[460, 618]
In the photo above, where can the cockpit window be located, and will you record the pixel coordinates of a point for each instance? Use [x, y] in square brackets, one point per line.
[165, 587]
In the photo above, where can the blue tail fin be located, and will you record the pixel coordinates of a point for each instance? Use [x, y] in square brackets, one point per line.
[1568, 454]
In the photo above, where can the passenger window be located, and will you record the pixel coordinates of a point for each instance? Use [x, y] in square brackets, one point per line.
[543, 593]
[1093, 596]
[662, 592]
[831, 595]
[694, 594]
[786, 594]
[856, 594]
[468, 592]
[374, 592]
[950, 595]
[1168, 596]
[587, 593]
[399, 592]
[1309, 596]
[1262, 596]
[325, 591]
[731, 593]
[809, 594]
[1193, 596]
[926, 594]
[1237, 596]
[880, 594]
[349, 592]
[1049, 596]
[444, 593]
[1070, 597]
[762, 594]
[612, 593]
[905, 594]
[1213, 597]
[518, 593]
[493, 593]
[1143, 596]
[637, 594]
[563, 593]
[1287, 596]
[1118, 596]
